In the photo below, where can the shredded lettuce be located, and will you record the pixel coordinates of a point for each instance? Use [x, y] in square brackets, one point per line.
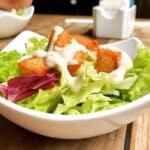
[8, 65]
[98, 92]
[142, 70]
[44, 100]
[71, 98]
[95, 94]
[35, 44]
[110, 86]
[143, 58]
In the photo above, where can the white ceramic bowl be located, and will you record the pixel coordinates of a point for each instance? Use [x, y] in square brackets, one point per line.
[75, 126]
[11, 24]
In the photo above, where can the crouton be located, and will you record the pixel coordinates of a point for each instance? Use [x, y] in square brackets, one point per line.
[107, 60]
[33, 66]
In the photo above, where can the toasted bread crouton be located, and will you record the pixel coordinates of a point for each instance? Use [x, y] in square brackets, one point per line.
[33, 66]
[92, 45]
[107, 60]
[63, 39]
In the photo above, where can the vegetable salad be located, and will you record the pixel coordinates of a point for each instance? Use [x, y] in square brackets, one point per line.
[70, 74]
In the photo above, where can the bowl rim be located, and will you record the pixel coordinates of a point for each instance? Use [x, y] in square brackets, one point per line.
[140, 102]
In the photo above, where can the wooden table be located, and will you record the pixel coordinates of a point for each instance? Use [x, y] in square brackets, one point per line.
[135, 136]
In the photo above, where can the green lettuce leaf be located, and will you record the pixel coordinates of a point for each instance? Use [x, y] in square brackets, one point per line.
[71, 98]
[44, 100]
[110, 86]
[93, 103]
[142, 70]
[142, 85]
[35, 44]
[8, 65]
[60, 109]
[143, 58]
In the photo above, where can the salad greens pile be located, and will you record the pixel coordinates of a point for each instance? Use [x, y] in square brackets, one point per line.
[142, 70]
[99, 92]
[35, 44]
[8, 65]
[18, 12]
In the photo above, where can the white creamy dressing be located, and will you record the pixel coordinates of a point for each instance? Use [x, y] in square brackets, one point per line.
[25, 57]
[55, 59]
[60, 58]
[57, 31]
[70, 50]
[39, 53]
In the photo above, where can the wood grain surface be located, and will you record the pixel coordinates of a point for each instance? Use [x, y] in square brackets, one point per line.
[13, 137]
[140, 136]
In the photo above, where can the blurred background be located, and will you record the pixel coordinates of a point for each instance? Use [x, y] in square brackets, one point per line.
[82, 7]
